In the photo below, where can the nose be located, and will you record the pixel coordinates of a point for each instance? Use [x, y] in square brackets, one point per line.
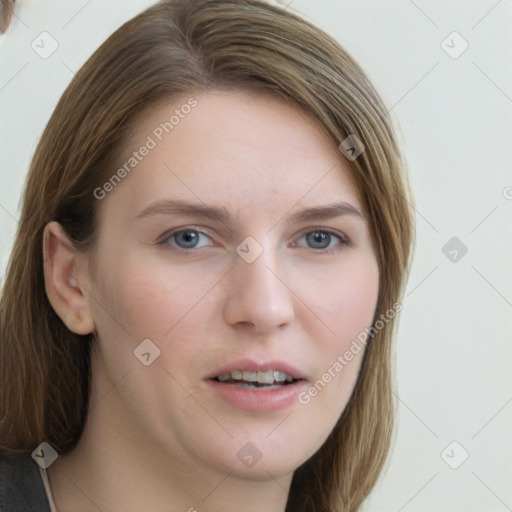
[258, 296]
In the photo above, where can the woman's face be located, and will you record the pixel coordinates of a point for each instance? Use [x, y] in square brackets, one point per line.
[234, 244]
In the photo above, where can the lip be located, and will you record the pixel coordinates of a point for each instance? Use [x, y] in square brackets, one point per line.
[249, 365]
[258, 399]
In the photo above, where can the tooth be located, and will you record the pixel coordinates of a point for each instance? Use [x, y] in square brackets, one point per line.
[224, 376]
[265, 377]
[279, 376]
[249, 376]
[289, 378]
[236, 375]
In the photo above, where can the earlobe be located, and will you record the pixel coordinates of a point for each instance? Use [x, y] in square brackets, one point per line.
[69, 299]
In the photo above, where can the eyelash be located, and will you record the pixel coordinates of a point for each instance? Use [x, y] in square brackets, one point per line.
[344, 241]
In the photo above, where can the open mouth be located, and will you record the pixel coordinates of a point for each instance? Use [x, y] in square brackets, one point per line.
[269, 379]
[263, 387]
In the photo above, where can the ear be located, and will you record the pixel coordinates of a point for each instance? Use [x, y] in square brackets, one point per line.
[62, 280]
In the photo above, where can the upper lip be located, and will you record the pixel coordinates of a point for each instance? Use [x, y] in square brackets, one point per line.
[250, 365]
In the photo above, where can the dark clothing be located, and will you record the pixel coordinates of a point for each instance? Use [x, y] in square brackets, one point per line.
[21, 485]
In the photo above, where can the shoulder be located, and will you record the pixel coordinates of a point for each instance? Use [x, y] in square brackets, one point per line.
[21, 485]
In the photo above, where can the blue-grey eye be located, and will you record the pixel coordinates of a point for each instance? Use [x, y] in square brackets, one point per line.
[187, 239]
[320, 239]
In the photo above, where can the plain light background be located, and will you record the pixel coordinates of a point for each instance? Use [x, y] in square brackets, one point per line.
[454, 355]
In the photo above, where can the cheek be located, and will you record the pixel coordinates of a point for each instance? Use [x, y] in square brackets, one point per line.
[358, 300]
[347, 306]
[150, 299]
[166, 305]
[342, 299]
[160, 303]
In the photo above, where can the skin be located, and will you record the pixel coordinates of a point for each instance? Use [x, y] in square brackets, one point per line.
[157, 437]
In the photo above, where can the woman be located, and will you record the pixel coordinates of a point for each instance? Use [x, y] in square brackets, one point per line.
[199, 306]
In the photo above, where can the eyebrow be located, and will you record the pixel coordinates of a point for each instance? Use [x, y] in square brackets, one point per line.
[222, 215]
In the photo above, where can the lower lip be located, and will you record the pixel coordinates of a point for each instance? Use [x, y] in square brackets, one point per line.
[258, 399]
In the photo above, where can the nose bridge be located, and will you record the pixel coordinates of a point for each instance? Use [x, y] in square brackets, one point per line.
[253, 267]
[257, 294]
[257, 273]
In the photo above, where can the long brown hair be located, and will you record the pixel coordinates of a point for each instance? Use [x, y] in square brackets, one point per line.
[174, 48]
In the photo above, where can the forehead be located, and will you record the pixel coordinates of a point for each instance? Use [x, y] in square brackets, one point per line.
[232, 147]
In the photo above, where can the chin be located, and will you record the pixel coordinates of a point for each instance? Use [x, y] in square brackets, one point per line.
[258, 457]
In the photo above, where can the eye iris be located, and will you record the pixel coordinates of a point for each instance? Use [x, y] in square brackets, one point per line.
[187, 239]
[318, 240]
